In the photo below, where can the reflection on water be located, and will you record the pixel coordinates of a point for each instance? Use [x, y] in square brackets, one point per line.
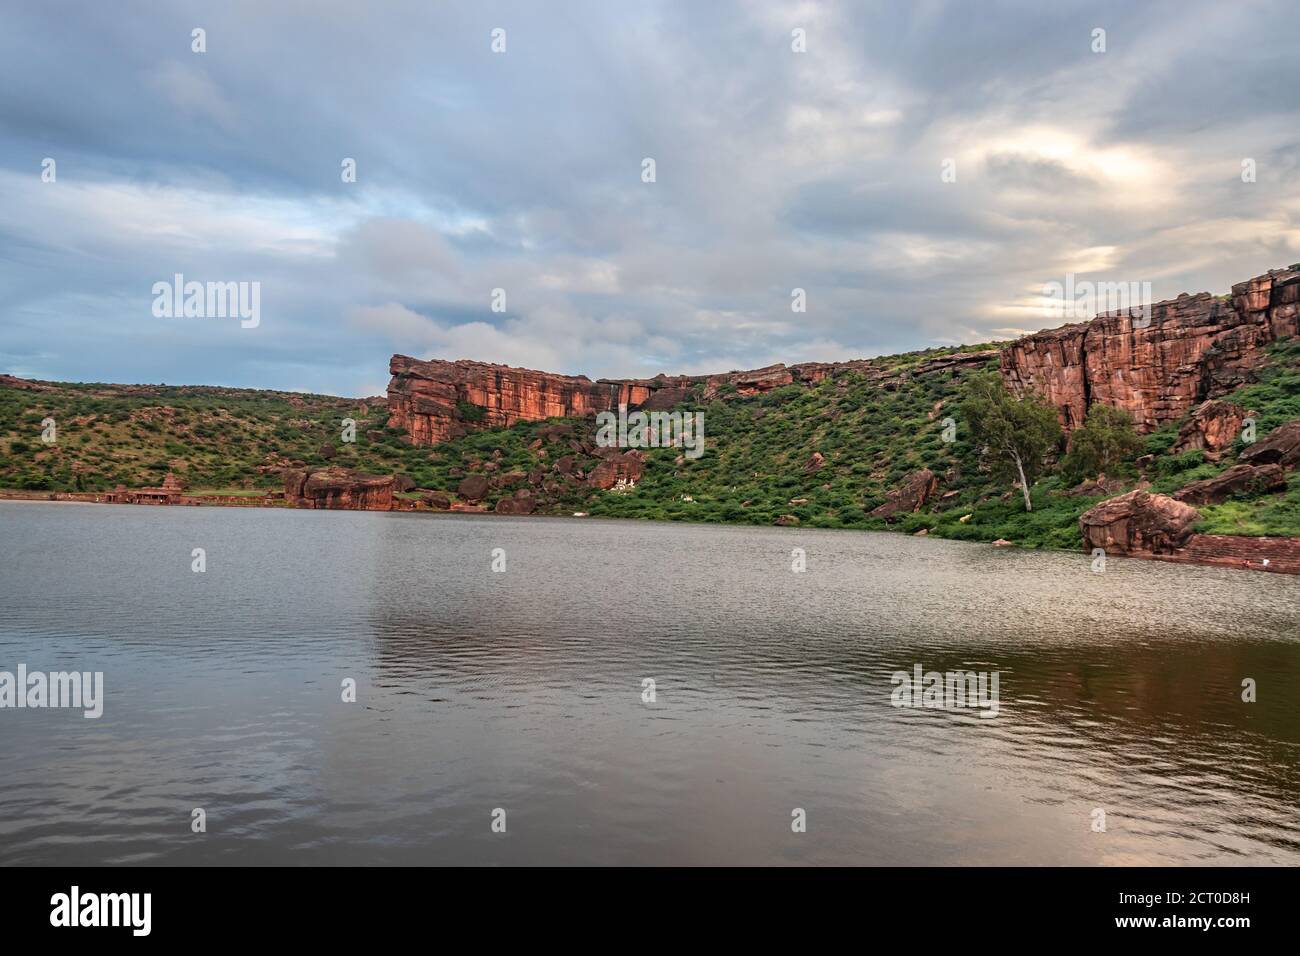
[522, 690]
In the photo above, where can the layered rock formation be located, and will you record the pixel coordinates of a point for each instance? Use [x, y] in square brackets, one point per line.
[435, 400]
[1280, 555]
[338, 488]
[1193, 348]
[1239, 479]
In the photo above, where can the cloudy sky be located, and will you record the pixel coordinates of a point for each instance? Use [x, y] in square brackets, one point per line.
[522, 171]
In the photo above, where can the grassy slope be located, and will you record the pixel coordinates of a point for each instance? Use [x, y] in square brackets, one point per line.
[213, 438]
[751, 471]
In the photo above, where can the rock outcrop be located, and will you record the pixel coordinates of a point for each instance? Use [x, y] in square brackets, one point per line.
[1138, 523]
[338, 488]
[1280, 446]
[1093, 487]
[1189, 350]
[1280, 555]
[911, 496]
[1212, 427]
[473, 488]
[1237, 480]
[617, 469]
[435, 400]
[436, 500]
[522, 503]
[1192, 348]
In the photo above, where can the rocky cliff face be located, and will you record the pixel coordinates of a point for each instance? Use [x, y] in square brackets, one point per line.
[1192, 349]
[435, 400]
[1195, 347]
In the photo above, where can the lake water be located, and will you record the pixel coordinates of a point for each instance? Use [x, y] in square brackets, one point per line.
[523, 690]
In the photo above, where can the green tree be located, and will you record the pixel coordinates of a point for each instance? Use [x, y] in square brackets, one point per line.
[1105, 439]
[1016, 434]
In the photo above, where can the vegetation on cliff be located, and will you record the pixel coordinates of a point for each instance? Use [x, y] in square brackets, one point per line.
[823, 455]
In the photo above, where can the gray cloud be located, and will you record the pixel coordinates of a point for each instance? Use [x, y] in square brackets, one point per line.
[521, 171]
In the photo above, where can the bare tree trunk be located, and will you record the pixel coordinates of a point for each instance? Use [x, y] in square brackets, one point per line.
[1024, 485]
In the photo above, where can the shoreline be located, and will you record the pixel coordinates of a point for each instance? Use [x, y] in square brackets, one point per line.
[1273, 554]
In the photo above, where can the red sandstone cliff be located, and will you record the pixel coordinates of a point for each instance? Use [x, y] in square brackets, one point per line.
[435, 400]
[1196, 347]
[426, 398]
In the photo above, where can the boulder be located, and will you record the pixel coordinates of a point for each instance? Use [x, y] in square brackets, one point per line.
[473, 488]
[1237, 480]
[403, 483]
[814, 463]
[338, 489]
[626, 467]
[787, 520]
[1212, 426]
[911, 496]
[516, 506]
[1280, 446]
[1138, 523]
[436, 500]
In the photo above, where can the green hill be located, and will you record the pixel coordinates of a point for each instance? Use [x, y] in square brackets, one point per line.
[756, 469]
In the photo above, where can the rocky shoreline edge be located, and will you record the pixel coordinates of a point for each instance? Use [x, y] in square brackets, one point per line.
[1135, 525]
